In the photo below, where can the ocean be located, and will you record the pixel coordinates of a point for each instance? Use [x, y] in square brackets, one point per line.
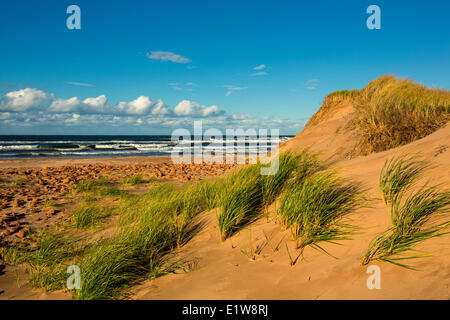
[52, 146]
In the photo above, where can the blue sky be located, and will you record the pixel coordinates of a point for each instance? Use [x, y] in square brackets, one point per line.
[231, 63]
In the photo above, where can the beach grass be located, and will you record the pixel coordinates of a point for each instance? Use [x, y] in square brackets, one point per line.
[90, 184]
[422, 215]
[314, 208]
[398, 174]
[246, 192]
[391, 112]
[139, 244]
[134, 179]
[48, 261]
[135, 253]
[88, 214]
[241, 200]
[290, 165]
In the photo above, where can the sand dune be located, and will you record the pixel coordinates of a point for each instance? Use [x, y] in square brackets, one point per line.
[223, 271]
[255, 263]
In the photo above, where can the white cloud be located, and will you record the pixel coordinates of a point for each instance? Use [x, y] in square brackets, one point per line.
[167, 56]
[35, 108]
[243, 116]
[79, 84]
[231, 89]
[262, 73]
[4, 115]
[89, 105]
[260, 67]
[96, 103]
[159, 108]
[61, 105]
[22, 100]
[312, 84]
[193, 109]
[73, 120]
[141, 105]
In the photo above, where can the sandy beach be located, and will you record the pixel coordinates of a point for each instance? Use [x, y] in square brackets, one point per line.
[226, 231]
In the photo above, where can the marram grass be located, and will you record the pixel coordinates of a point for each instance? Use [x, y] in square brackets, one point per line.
[88, 214]
[150, 227]
[422, 215]
[391, 112]
[399, 174]
[241, 200]
[314, 208]
[290, 165]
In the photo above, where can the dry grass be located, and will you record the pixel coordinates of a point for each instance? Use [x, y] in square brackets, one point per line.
[331, 104]
[391, 112]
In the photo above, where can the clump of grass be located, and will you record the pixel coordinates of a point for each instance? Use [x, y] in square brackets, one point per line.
[241, 201]
[315, 207]
[331, 104]
[344, 93]
[398, 174]
[47, 262]
[302, 165]
[413, 221]
[135, 208]
[110, 191]
[90, 185]
[420, 216]
[88, 215]
[133, 179]
[152, 226]
[210, 191]
[51, 248]
[391, 112]
[21, 181]
[101, 187]
[50, 204]
[136, 252]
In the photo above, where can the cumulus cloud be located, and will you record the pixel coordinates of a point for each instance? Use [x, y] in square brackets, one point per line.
[167, 56]
[141, 105]
[89, 105]
[27, 99]
[193, 109]
[35, 108]
[22, 100]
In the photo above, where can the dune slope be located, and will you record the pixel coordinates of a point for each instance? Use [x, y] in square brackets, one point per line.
[228, 270]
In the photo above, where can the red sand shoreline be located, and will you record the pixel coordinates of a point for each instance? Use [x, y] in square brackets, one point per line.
[75, 161]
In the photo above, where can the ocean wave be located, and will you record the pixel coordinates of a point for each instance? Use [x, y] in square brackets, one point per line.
[114, 146]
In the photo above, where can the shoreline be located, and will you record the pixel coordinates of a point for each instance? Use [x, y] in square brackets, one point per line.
[28, 163]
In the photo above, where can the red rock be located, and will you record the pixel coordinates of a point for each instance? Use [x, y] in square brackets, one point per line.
[21, 233]
[52, 212]
[16, 203]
